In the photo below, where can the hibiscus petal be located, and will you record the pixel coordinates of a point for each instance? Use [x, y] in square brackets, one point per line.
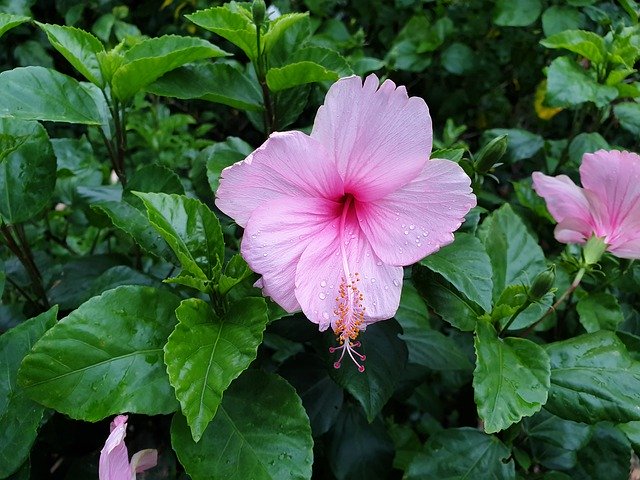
[276, 235]
[572, 230]
[629, 249]
[614, 178]
[564, 199]
[380, 138]
[144, 460]
[419, 218]
[114, 457]
[288, 164]
[320, 272]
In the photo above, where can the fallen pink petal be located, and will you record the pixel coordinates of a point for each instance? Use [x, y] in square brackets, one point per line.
[606, 206]
[114, 457]
[331, 218]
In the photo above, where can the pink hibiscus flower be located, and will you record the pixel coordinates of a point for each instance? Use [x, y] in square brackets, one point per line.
[607, 205]
[114, 457]
[330, 219]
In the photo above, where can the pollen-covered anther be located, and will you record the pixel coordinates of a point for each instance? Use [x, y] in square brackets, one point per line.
[350, 318]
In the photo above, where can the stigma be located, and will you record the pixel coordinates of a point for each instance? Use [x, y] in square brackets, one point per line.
[349, 313]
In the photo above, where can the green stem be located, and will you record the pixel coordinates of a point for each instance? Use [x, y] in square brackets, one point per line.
[514, 316]
[260, 67]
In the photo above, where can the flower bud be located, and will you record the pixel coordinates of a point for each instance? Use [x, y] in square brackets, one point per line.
[490, 154]
[542, 283]
[258, 9]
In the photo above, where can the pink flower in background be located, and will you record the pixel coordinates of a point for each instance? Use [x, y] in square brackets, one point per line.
[607, 205]
[114, 458]
[330, 219]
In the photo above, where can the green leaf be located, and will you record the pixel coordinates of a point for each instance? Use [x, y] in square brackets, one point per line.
[631, 7]
[466, 265]
[555, 441]
[232, 22]
[587, 44]
[568, 84]
[605, 456]
[386, 356]
[8, 21]
[628, 114]
[515, 255]
[278, 28]
[521, 145]
[20, 417]
[3, 277]
[559, 18]
[321, 396]
[308, 65]
[599, 311]
[27, 170]
[632, 431]
[217, 82]
[148, 60]
[298, 73]
[37, 93]
[458, 59]
[512, 298]
[192, 231]
[235, 272]
[80, 48]
[359, 449]
[427, 347]
[511, 379]
[134, 223]
[105, 357]
[260, 431]
[222, 155]
[151, 178]
[462, 453]
[593, 378]
[205, 353]
[516, 13]
[446, 300]
[586, 143]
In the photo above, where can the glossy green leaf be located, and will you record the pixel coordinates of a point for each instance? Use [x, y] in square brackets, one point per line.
[148, 60]
[558, 18]
[80, 48]
[593, 378]
[260, 431]
[427, 347]
[359, 449]
[105, 357]
[151, 178]
[511, 379]
[8, 21]
[20, 416]
[586, 143]
[568, 84]
[3, 277]
[458, 59]
[599, 311]
[516, 13]
[214, 82]
[515, 255]
[192, 231]
[205, 353]
[512, 298]
[37, 93]
[386, 356]
[632, 431]
[586, 44]
[462, 453]
[235, 272]
[446, 300]
[308, 65]
[27, 170]
[555, 441]
[628, 114]
[321, 396]
[232, 22]
[465, 264]
[134, 223]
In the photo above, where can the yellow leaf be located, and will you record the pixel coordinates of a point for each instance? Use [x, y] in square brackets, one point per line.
[544, 112]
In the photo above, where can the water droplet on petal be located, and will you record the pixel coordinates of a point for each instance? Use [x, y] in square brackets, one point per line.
[322, 296]
[396, 283]
[253, 236]
[411, 227]
[386, 287]
[406, 232]
[325, 315]
[323, 284]
[264, 254]
[373, 280]
[379, 264]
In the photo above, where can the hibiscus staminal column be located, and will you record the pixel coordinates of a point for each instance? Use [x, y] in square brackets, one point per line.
[349, 309]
